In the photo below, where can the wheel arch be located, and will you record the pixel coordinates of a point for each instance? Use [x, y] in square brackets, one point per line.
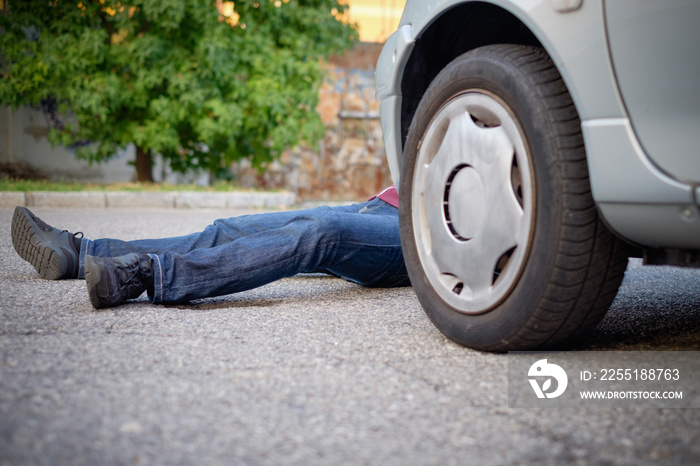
[457, 30]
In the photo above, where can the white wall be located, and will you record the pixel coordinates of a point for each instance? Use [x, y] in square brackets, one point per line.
[23, 137]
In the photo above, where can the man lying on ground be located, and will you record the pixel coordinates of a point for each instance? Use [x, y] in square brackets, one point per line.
[359, 243]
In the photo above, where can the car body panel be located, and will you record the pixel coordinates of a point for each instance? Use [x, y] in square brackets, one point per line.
[639, 202]
[663, 100]
[394, 57]
[621, 172]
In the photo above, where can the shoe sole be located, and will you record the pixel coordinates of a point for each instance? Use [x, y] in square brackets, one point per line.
[93, 274]
[33, 246]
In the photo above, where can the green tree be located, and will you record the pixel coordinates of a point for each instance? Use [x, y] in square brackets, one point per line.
[200, 82]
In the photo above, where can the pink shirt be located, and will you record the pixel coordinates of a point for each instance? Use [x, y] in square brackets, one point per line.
[390, 195]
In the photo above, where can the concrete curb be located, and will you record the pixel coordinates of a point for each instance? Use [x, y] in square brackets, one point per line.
[137, 199]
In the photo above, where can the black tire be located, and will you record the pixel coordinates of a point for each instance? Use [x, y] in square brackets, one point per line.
[558, 271]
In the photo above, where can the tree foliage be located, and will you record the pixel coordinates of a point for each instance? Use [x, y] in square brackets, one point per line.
[201, 82]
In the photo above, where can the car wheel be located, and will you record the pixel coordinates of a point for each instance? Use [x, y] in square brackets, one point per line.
[501, 237]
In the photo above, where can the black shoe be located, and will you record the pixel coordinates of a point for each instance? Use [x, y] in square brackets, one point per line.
[53, 253]
[113, 280]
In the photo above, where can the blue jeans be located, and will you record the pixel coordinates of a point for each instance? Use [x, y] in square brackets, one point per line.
[359, 243]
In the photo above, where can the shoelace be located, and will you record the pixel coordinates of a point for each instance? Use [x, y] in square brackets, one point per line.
[131, 271]
[131, 278]
[132, 274]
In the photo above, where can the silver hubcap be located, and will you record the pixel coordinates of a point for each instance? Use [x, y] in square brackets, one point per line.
[472, 202]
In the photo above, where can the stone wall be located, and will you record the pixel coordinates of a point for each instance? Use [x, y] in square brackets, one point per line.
[350, 163]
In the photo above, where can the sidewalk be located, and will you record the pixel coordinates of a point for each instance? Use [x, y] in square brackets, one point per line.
[134, 199]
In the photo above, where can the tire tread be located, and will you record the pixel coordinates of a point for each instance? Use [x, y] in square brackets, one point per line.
[587, 261]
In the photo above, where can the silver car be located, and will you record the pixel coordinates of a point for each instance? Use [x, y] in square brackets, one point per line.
[537, 145]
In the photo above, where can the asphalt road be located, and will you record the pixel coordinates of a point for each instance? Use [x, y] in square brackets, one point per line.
[310, 370]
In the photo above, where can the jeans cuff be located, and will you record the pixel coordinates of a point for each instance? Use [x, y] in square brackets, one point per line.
[155, 294]
[85, 244]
